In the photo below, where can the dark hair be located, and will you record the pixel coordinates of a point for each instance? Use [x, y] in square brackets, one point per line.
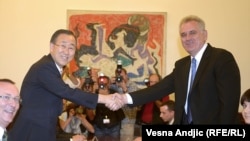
[124, 70]
[71, 106]
[245, 97]
[7, 80]
[158, 75]
[170, 104]
[59, 32]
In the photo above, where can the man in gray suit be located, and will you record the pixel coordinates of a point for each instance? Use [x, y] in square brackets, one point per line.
[213, 97]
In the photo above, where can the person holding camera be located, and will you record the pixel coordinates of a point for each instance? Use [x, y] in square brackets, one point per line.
[107, 123]
[122, 84]
[74, 121]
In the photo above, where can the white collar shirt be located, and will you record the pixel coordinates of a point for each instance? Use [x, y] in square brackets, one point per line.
[198, 59]
[1, 132]
[59, 69]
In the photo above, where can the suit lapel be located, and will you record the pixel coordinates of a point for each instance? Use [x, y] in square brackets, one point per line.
[203, 64]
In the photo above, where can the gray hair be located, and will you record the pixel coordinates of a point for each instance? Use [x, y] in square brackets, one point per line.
[197, 19]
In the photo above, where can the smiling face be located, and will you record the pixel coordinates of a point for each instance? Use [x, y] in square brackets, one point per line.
[193, 37]
[246, 112]
[9, 103]
[63, 50]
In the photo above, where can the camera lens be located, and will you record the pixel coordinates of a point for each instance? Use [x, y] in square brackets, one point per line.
[146, 81]
[119, 79]
[101, 86]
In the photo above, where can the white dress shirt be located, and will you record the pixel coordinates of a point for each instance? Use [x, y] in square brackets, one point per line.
[1, 132]
[198, 59]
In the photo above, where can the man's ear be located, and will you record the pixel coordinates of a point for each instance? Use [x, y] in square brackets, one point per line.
[51, 45]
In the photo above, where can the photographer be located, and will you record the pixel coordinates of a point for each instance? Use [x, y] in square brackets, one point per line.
[107, 123]
[90, 81]
[124, 85]
[71, 120]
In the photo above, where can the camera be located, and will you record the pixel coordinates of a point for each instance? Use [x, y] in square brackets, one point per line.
[79, 110]
[118, 71]
[88, 80]
[146, 82]
[102, 81]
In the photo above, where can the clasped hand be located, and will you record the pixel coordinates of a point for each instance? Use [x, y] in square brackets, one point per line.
[116, 101]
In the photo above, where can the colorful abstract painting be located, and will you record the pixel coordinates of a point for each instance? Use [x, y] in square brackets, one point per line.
[137, 39]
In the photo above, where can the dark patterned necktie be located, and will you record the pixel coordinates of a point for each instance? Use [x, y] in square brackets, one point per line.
[193, 72]
[5, 136]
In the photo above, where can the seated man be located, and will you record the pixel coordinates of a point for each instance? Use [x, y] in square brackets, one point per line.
[167, 112]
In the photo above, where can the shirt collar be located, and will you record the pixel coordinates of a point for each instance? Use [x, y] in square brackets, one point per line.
[1, 132]
[59, 69]
[199, 54]
[171, 122]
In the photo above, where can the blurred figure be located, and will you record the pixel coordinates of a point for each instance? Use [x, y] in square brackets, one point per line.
[61, 135]
[149, 113]
[72, 120]
[166, 114]
[245, 103]
[70, 79]
[122, 84]
[90, 85]
[9, 104]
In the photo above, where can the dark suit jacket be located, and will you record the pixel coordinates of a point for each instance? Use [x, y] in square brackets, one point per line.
[42, 92]
[215, 94]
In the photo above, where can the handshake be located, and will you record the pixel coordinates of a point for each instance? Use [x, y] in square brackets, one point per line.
[113, 101]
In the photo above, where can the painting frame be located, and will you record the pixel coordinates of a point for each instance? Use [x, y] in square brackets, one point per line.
[99, 32]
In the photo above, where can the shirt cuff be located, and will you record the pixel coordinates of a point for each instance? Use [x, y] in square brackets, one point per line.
[129, 98]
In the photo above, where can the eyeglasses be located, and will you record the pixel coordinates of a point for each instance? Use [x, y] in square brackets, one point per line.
[7, 98]
[65, 46]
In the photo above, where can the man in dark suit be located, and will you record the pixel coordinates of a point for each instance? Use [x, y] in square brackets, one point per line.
[43, 89]
[9, 105]
[213, 98]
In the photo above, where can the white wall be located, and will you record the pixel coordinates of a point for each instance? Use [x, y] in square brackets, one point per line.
[27, 25]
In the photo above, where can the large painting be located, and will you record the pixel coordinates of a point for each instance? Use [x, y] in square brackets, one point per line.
[136, 38]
